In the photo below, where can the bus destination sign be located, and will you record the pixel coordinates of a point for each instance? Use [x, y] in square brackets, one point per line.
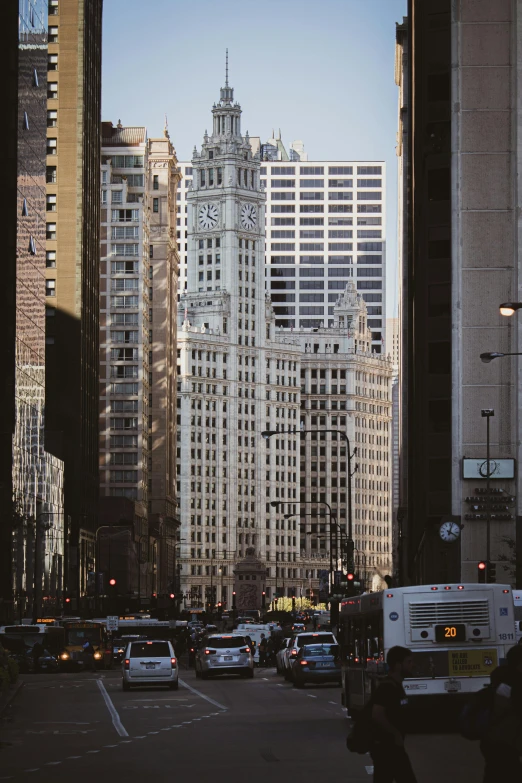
[450, 633]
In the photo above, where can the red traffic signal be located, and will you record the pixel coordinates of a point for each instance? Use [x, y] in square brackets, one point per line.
[350, 577]
[112, 582]
[482, 565]
[172, 595]
[67, 600]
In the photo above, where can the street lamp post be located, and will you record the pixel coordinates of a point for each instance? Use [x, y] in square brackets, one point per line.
[487, 413]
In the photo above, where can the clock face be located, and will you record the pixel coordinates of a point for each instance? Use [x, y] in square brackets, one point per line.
[208, 216]
[449, 531]
[248, 216]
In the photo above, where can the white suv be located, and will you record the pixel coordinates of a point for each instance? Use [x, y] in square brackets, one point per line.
[151, 662]
[224, 654]
[299, 640]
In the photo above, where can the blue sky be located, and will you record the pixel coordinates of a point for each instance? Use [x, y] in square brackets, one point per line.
[322, 72]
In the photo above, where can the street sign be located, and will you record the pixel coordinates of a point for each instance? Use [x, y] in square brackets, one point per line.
[477, 468]
[113, 623]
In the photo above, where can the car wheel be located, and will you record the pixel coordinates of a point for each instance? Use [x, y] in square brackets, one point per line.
[125, 686]
[174, 686]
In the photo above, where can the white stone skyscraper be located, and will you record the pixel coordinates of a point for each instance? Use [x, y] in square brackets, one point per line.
[235, 375]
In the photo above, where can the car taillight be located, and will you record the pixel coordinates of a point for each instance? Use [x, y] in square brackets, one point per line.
[127, 663]
[192, 649]
[294, 652]
[210, 652]
[303, 663]
[173, 661]
[245, 650]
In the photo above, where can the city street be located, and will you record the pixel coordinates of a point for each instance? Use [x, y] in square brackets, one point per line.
[83, 728]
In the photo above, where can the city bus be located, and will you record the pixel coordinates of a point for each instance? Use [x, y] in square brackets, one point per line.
[50, 637]
[517, 600]
[458, 634]
[76, 634]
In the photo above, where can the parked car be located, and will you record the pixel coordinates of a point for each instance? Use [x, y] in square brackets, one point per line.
[150, 662]
[224, 654]
[316, 663]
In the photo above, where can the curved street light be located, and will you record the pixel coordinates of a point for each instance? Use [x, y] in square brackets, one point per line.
[488, 357]
[508, 308]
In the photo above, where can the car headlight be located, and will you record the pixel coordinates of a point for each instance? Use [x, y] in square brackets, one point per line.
[98, 656]
[64, 656]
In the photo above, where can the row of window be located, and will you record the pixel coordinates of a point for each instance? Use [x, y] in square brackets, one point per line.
[332, 234]
[318, 195]
[319, 208]
[314, 170]
[319, 246]
[332, 183]
[332, 221]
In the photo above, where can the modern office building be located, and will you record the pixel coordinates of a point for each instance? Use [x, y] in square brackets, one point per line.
[239, 375]
[72, 213]
[138, 280]
[325, 225]
[31, 479]
[460, 262]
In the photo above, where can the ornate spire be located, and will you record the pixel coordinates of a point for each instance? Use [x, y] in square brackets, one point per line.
[226, 93]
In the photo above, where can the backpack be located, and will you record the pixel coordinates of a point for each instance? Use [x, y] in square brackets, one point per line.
[359, 739]
[476, 718]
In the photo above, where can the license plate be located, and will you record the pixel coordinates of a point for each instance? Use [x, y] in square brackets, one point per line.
[324, 665]
[150, 666]
[452, 686]
[228, 657]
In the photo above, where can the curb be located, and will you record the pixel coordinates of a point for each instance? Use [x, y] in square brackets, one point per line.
[4, 703]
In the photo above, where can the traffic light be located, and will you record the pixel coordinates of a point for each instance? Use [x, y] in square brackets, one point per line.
[293, 603]
[112, 582]
[172, 596]
[350, 576]
[153, 600]
[492, 573]
[482, 569]
[263, 600]
[67, 600]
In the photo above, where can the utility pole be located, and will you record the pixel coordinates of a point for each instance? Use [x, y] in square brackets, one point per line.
[487, 413]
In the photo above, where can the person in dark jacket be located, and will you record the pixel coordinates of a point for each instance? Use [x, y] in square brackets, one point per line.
[502, 747]
[390, 759]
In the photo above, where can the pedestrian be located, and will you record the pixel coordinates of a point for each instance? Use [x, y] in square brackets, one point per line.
[502, 745]
[270, 651]
[390, 759]
[88, 653]
[262, 650]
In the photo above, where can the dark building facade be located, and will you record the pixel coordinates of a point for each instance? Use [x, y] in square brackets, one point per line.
[459, 260]
[31, 480]
[72, 273]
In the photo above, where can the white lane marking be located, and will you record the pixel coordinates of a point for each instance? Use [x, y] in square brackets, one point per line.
[310, 696]
[153, 732]
[142, 736]
[116, 721]
[52, 763]
[32, 770]
[61, 723]
[265, 679]
[125, 742]
[79, 757]
[108, 746]
[198, 693]
[174, 698]
[334, 702]
[93, 751]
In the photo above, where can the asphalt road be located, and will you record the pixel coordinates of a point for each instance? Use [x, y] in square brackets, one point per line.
[82, 728]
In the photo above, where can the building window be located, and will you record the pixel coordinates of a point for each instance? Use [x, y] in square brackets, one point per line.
[50, 231]
[51, 146]
[53, 35]
[50, 259]
[155, 204]
[52, 120]
[50, 174]
[52, 90]
[117, 197]
[52, 62]
[50, 202]
[53, 7]
[155, 182]
[50, 287]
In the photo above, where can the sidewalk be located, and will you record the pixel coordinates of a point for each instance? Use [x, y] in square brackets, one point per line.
[7, 697]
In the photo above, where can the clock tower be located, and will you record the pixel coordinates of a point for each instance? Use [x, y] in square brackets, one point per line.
[226, 224]
[229, 363]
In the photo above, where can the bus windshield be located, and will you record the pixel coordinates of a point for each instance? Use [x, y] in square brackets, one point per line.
[78, 636]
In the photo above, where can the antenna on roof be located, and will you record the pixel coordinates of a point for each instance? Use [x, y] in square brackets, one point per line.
[226, 71]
